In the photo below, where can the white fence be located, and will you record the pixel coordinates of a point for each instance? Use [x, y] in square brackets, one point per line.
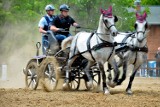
[3, 72]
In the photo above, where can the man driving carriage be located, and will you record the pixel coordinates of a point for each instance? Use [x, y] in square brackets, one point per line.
[61, 24]
[44, 25]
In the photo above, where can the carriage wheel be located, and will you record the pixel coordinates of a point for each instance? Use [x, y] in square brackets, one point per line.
[50, 73]
[96, 79]
[31, 75]
[74, 80]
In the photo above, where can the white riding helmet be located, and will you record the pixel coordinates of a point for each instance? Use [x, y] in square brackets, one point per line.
[49, 7]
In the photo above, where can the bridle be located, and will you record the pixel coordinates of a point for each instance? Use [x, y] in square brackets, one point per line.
[143, 32]
[106, 24]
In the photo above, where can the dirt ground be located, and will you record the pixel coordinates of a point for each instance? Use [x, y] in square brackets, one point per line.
[146, 94]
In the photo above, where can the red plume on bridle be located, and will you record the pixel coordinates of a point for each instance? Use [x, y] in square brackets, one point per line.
[107, 13]
[141, 18]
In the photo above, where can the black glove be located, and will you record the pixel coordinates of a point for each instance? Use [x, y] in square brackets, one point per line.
[47, 32]
[78, 26]
[61, 30]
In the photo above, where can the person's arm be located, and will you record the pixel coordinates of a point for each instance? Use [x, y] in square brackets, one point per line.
[41, 25]
[42, 31]
[74, 23]
[54, 28]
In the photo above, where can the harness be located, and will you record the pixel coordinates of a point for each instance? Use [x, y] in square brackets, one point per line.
[139, 49]
[123, 47]
[89, 46]
[127, 36]
[97, 47]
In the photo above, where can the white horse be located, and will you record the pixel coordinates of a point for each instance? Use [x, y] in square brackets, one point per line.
[95, 47]
[136, 53]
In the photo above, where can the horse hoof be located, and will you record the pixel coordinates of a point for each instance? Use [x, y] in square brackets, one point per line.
[106, 92]
[66, 86]
[112, 84]
[89, 85]
[129, 92]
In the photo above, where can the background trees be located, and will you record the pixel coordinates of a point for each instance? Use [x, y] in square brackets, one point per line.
[19, 18]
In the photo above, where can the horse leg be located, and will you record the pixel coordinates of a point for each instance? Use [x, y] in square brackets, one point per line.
[73, 51]
[128, 90]
[125, 63]
[68, 69]
[109, 71]
[116, 72]
[119, 64]
[87, 69]
[105, 88]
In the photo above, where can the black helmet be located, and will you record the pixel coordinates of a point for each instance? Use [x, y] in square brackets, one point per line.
[64, 7]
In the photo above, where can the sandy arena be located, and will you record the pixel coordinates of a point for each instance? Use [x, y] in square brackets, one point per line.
[146, 94]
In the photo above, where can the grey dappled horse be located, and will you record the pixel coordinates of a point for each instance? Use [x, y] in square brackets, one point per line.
[95, 47]
[137, 49]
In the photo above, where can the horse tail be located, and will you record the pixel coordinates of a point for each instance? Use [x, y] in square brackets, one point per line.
[66, 42]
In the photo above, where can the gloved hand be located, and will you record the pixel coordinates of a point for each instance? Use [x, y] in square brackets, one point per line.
[61, 30]
[78, 26]
[47, 32]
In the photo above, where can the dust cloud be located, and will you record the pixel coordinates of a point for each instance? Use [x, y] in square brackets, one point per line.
[17, 47]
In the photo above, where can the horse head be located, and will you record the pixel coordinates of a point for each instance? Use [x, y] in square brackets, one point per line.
[141, 26]
[109, 21]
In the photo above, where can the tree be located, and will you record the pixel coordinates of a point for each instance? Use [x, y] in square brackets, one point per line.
[86, 13]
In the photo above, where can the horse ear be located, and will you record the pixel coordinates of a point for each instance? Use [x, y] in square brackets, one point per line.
[115, 18]
[144, 15]
[102, 11]
[110, 9]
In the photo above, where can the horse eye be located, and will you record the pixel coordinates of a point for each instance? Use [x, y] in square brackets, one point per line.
[115, 18]
[106, 21]
[135, 26]
[146, 26]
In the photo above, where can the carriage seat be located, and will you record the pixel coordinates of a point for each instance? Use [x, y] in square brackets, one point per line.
[50, 44]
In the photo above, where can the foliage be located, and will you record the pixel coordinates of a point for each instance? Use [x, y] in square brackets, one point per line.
[86, 12]
[15, 11]
[19, 18]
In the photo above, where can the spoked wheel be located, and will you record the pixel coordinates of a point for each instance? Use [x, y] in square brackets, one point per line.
[31, 75]
[95, 74]
[50, 73]
[74, 80]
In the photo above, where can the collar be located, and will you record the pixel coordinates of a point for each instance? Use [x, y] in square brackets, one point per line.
[49, 16]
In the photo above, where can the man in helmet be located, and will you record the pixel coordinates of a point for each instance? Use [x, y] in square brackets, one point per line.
[61, 24]
[44, 25]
